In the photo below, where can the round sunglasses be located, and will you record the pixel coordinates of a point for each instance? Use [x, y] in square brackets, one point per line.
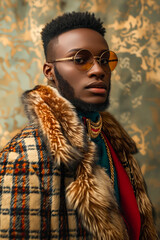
[84, 60]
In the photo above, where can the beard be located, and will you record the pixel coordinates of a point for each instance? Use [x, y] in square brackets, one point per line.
[67, 92]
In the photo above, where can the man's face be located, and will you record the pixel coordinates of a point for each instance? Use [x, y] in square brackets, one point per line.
[91, 87]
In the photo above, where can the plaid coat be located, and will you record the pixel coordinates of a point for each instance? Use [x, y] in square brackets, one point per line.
[50, 185]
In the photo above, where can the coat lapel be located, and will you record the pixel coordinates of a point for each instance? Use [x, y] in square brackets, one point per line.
[68, 144]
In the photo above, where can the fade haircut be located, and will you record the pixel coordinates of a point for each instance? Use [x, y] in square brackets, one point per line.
[69, 21]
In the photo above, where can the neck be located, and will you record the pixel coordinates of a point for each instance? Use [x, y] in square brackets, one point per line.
[93, 115]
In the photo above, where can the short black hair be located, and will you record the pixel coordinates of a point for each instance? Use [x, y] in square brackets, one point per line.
[69, 21]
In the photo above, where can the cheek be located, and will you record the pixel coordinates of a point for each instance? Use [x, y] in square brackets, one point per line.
[70, 73]
[108, 79]
[67, 69]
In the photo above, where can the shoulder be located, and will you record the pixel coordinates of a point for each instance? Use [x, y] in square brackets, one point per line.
[22, 145]
[117, 135]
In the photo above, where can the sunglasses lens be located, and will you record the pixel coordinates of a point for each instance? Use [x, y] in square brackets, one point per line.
[109, 59]
[84, 60]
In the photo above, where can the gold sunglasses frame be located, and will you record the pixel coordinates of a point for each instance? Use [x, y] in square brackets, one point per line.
[94, 57]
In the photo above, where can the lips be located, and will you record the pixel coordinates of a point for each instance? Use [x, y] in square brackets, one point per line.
[97, 85]
[97, 88]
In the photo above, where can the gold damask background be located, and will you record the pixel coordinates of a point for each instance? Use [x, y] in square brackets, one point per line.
[133, 31]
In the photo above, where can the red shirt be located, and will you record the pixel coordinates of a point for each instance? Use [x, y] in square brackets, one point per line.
[128, 202]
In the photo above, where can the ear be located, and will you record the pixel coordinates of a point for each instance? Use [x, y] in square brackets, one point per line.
[48, 71]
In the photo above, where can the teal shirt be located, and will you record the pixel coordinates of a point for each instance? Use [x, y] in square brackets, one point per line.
[102, 152]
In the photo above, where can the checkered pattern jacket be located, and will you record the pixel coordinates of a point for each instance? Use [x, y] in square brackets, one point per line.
[50, 185]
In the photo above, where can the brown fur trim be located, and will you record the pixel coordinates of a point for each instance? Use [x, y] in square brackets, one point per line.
[65, 113]
[118, 137]
[52, 114]
[68, 143]
[91, 194]
[95, 201]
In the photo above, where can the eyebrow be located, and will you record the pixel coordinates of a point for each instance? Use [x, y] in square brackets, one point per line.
[77, 49]
[74, 49]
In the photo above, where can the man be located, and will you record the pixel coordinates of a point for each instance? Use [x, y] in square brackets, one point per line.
[70, 174]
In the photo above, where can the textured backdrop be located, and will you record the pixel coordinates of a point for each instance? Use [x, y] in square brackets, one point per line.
[133, 31]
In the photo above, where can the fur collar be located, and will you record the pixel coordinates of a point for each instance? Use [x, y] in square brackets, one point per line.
[119, 138]
[58, 123]
[67, 142]
[44, 107]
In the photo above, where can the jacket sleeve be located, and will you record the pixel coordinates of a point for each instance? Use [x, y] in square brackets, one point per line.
[22, 200]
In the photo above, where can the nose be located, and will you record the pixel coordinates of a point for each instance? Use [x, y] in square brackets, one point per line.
[96, 70]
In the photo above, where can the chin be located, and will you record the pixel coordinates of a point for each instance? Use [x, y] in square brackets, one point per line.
[90, 107]
[99, 101]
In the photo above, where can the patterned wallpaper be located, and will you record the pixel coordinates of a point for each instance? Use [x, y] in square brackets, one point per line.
[133, 31]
